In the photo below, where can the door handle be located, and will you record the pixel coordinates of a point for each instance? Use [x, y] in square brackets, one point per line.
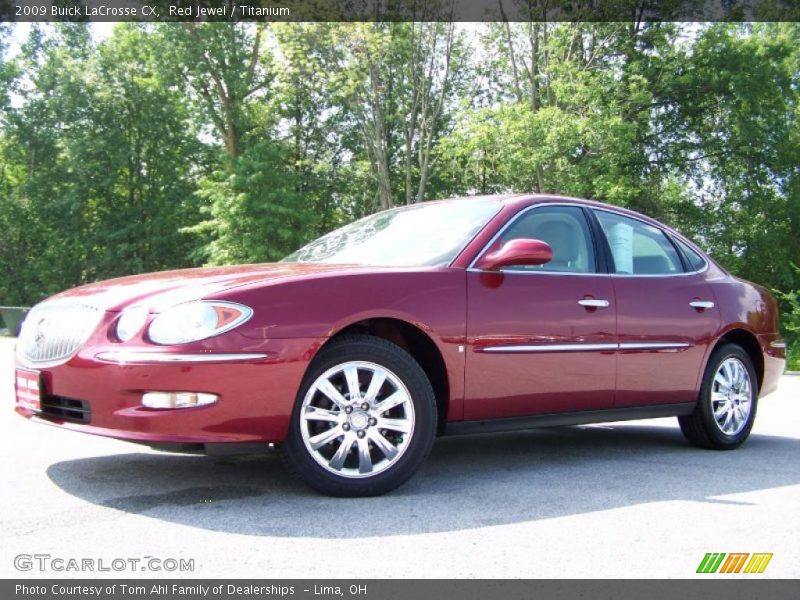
[592, 303]
[701, 304]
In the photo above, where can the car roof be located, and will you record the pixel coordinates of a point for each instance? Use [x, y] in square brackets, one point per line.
[520, 201]
[523, 200]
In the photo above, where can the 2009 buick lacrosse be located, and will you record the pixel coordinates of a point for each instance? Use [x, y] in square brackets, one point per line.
[459, 316]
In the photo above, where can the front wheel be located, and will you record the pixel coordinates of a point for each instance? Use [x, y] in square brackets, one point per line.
[726, 408]
[364, 419]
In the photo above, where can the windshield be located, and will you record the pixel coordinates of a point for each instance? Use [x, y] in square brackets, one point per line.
[418, 235]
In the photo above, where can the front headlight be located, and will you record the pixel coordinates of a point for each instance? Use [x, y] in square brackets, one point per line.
[130, 322]
[196, 321]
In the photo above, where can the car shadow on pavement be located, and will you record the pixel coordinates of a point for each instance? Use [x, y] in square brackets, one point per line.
[467, 482]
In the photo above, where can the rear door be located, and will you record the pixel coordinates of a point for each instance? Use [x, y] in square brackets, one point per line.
[542, 339]
[666, 316]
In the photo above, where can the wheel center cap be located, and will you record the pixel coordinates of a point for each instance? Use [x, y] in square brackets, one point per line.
[358, 420]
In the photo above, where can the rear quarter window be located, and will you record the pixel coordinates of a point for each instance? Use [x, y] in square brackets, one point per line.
[695, 260]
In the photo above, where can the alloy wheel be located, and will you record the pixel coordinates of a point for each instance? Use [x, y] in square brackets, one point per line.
[731, 396]
[357, 419]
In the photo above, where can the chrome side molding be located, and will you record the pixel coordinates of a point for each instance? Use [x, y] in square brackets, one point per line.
[653, 345]
[530, 348]
[140, 358]
[551, 348]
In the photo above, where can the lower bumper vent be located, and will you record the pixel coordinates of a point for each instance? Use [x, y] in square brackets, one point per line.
[66, 409]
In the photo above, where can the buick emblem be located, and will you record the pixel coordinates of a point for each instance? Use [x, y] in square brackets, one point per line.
[38, 336]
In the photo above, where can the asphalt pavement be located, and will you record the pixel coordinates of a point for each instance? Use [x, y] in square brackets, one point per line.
[614, 500]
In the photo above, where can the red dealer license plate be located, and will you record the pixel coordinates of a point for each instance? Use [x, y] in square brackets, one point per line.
[27, 385]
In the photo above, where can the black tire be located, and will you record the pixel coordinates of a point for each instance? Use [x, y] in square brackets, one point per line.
[364, 348]
[700, 427]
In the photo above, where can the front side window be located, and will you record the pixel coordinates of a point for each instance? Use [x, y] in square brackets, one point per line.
[638, 248]
[565, 229]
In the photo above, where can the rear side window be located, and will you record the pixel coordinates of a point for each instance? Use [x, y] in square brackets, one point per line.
[696, 262]
[638, 248]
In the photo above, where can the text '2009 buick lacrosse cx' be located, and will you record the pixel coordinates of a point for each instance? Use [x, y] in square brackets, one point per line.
[458, 316]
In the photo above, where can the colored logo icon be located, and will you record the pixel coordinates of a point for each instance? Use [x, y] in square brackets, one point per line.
[735, 562]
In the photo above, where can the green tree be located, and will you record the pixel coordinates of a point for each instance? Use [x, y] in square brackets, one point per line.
[313, 125]
[735, 131]
[397, 83]
[99, 160]
[256, 210]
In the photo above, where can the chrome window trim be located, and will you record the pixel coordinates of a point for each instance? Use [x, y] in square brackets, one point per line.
[522, 272]
[134, 357]
[472, 269]
[579, 347]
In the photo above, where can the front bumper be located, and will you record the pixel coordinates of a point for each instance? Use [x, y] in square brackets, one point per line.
[256, 391]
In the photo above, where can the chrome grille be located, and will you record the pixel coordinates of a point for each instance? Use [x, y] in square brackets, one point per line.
[54, 331]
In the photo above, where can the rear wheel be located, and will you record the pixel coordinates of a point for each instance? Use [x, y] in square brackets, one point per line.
[726, 408]
[364, 419]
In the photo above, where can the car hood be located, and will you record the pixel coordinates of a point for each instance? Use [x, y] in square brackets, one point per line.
[159, 291]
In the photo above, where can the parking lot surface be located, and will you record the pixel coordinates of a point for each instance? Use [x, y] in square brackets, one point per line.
[614, 500]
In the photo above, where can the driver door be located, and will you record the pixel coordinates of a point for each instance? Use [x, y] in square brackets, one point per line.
[541, 339]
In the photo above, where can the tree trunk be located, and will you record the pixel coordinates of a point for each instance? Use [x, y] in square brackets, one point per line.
[511, 53]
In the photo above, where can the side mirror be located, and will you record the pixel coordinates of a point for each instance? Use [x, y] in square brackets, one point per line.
[517, 252]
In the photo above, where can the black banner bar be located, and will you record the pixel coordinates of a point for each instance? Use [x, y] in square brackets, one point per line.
[399, 10]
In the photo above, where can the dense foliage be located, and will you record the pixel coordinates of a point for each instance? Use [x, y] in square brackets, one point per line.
[172, 145]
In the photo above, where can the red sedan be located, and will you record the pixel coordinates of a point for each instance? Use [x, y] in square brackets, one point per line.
[461, 316]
